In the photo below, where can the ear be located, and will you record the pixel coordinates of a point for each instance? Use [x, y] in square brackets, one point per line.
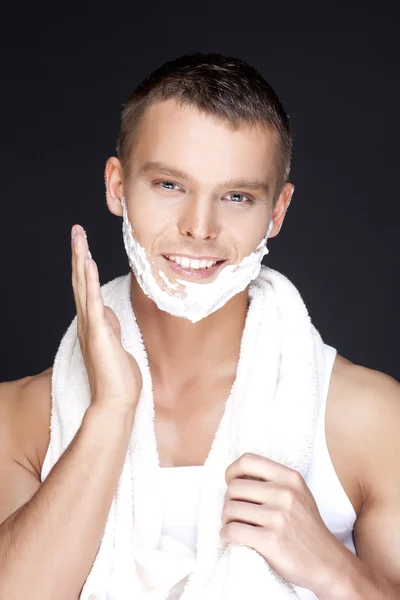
[113, 177]
[281, 206]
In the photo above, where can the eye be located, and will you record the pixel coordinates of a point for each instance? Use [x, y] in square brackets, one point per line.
[169, 185]
[236, 195]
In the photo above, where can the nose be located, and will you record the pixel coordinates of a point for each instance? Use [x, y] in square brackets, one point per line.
[199, 217]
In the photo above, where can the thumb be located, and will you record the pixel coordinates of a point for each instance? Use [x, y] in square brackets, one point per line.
[113, 321]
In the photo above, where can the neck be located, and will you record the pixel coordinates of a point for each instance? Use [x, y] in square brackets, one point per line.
[179, 350]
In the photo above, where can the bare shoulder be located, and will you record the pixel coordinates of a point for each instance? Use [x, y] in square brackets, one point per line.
[368, 397]
[25, 409]
[358, 378]
[363, 425]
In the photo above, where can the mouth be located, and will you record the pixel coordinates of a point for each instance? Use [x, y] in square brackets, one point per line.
[193, 274]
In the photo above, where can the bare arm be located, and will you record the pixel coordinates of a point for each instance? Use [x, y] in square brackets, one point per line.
[371, 405]
[377, 530]
[48, 545]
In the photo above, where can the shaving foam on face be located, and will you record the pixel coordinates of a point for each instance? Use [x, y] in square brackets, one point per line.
[188, 299]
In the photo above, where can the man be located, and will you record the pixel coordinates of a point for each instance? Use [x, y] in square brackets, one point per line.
[203, 163]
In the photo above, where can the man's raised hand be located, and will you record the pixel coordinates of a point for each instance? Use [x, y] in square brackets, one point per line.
[114, 375]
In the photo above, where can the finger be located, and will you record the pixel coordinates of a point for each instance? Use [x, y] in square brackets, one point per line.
[263, 469]
[243, 512]
[241, 533]
[261, 492]
[74, 276]
[81, 252]
[248, 490]
[94, 299]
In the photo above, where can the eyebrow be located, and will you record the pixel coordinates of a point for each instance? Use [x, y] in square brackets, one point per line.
[159, 167]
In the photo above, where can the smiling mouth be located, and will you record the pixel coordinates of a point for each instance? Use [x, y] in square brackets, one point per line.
[193, 273]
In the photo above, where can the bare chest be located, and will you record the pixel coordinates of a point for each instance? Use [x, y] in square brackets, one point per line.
[186, 421]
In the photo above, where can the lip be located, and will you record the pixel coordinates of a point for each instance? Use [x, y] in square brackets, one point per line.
[193, 274]
[196, 257]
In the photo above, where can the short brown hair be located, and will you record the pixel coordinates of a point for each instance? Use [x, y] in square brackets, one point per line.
[216, 84]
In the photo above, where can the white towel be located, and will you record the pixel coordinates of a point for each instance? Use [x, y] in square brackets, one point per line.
[272, 411]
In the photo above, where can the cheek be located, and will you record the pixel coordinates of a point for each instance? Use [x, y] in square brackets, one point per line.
[150, 227]
[148, 209]
[250, 233]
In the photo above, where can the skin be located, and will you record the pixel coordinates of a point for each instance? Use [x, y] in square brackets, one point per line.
[198, 215]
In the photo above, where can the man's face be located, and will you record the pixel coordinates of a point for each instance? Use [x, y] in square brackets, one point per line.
[197, 187]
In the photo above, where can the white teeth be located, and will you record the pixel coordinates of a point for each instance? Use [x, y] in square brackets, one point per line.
[188, 263]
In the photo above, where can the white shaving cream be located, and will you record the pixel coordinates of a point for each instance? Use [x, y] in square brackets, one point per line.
[188, 299]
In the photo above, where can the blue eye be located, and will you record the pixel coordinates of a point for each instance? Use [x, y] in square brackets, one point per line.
[160, 183]
[242, 195]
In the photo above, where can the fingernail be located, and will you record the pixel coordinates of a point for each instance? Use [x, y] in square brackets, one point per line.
[89, 254]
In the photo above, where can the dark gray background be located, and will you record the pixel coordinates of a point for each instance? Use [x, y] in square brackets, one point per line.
[64, 78]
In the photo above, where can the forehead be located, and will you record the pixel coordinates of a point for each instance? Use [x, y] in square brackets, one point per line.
[204, 146]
